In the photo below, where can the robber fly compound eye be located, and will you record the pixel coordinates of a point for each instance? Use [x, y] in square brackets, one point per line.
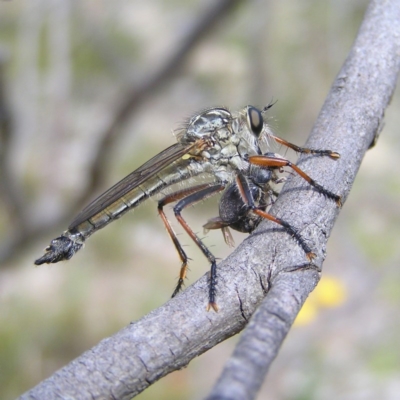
[255, 120]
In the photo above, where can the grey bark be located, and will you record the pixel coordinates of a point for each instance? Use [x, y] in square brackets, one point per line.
[349, 122]
[268, 270]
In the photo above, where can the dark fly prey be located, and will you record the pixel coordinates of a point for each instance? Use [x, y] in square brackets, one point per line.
[229, 152]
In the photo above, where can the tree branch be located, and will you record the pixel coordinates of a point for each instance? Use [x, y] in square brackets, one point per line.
[268, 261]
[8, 191]
[349, 122]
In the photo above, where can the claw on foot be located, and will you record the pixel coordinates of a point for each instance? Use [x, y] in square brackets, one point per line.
[310, 255]
[212, 305]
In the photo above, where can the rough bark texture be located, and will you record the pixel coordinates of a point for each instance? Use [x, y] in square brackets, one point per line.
[268, 268]
[349, 123]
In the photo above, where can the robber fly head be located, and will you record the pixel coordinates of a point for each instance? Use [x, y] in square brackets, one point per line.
[221, 124]
[252, 130]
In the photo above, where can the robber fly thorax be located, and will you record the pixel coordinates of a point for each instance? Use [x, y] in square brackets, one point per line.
[227, 142]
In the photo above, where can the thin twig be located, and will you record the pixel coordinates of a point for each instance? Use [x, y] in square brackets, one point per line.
[7, 187]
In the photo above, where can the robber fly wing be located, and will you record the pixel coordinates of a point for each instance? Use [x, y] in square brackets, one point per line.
[132, 181]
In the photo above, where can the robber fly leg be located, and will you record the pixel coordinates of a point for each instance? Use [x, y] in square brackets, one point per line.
[245, 192]
[188, 197]
[298, 149]
[190, 200]
[269, 161]
[171, 198]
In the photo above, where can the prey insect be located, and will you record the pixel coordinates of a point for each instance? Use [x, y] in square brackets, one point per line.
[228, 151]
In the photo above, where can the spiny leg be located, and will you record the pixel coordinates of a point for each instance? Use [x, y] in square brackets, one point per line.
[192, 199]
[171, 198]
[181, 253]
[244, 190]
[332, 154]
[188, 197]
[278, 162]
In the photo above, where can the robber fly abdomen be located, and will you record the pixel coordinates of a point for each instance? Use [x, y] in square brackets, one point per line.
[110, 207]
[177, 172]
[231, 151]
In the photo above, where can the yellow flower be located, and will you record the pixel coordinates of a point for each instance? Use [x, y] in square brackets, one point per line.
[330, 292]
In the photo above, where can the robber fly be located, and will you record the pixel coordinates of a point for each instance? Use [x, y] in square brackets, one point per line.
[228, 151]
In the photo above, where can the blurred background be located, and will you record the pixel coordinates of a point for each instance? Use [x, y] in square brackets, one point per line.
[90, 90]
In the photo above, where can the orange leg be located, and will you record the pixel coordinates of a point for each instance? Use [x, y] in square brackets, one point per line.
[278, 162]
[298, 149]
[188, 197]
[247, 197]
